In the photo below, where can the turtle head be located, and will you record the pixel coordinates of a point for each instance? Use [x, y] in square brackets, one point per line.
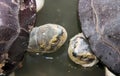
[79, 51]
[47, 38]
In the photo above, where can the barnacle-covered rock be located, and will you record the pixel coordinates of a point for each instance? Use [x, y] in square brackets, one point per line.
[47, 38]
[79, 51]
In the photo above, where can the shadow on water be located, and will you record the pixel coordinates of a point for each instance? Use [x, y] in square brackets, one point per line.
[63, 12]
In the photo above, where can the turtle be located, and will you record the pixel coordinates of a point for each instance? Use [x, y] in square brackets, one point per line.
[79, 52]
[15, 25]
[100, 27]
[19, 34]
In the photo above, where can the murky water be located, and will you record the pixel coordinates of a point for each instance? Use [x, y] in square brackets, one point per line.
[63, 12]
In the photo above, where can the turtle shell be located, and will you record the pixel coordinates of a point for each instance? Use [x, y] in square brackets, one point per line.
[100, 23]
[26, 16]
[9, 25]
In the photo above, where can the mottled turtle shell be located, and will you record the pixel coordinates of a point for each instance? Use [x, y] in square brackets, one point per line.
[22, 19]
[100, 23]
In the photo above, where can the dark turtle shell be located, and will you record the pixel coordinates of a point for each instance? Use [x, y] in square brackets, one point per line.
[100, 23]
[22, 15]
[9, 25]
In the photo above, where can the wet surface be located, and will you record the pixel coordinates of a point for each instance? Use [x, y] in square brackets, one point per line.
[62, 12]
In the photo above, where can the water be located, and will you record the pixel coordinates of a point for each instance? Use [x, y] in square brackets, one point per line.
[63, 12]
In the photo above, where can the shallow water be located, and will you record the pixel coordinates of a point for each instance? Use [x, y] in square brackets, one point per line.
[63, 12]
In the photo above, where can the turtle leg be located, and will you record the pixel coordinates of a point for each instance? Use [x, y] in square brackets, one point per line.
[39, 4]
[80, 52]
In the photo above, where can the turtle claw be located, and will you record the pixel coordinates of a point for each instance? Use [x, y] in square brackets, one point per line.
[80, 52]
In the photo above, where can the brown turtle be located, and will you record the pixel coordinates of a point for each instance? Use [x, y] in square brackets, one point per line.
[100, 23]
